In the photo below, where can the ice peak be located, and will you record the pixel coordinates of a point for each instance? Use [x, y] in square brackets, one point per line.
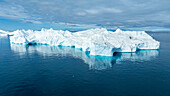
[118, 30]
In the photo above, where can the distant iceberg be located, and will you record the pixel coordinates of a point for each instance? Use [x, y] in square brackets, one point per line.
[97, 41]
[5, 33]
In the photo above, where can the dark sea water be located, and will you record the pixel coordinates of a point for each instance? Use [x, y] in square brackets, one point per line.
[63, 71]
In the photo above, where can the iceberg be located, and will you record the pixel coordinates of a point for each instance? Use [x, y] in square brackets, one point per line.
[97, 41]
[3, 33]
[6, 33]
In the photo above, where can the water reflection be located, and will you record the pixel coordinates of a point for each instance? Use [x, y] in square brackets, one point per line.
[94, 62]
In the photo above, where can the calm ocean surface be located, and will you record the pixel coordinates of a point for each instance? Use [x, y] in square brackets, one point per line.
[63, 71]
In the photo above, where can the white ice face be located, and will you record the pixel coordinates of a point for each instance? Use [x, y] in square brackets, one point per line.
[96, 41]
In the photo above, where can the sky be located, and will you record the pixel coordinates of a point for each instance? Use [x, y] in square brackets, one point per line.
[129, 13]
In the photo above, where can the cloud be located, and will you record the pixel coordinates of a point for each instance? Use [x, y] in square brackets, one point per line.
[119, 12]
[96, 11]
[93, 11]
[16, 12]
[111, 10]
[103, 10]
[12, 11]
[81, 13]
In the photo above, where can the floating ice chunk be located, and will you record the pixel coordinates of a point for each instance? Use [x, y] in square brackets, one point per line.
[96, 41]
[5, 33]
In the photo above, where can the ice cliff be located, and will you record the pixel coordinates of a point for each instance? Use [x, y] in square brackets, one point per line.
[96, 41]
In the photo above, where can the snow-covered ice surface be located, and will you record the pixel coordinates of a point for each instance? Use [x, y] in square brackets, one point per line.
[96, 41]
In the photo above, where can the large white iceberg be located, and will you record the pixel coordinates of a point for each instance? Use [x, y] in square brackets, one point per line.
[96, 41]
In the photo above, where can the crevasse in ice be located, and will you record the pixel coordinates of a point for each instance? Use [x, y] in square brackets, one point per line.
[96, 41]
